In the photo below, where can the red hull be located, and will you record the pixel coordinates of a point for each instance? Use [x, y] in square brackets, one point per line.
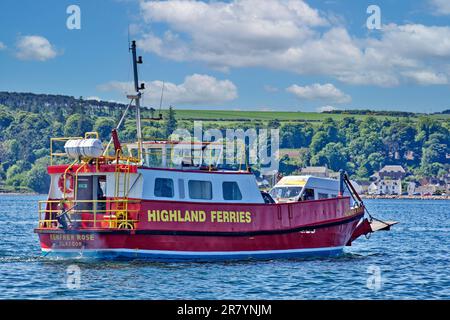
[166, 229]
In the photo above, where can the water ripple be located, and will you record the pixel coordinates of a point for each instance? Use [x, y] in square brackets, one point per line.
[412, 259]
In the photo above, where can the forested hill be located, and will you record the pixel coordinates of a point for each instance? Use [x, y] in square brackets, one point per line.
[360, 143]
[49, 103]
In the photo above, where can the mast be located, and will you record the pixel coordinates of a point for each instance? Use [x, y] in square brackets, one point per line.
[137, 98]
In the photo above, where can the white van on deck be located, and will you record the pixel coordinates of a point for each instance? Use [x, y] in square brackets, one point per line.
[304, 188]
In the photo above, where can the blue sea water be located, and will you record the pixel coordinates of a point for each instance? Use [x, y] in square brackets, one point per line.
[410, 262]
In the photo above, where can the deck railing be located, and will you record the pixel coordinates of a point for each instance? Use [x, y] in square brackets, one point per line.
[89, 214]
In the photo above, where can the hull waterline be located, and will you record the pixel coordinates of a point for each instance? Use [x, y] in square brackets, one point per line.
[191, 256]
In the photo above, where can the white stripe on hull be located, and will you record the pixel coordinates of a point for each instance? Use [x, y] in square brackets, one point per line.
[167, 254]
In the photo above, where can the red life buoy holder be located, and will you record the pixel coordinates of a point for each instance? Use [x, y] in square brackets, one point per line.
[69, 183]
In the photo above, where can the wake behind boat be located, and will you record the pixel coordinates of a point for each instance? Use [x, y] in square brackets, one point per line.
[136, 203]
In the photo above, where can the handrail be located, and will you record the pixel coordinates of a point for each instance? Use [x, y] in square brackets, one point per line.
[198, 156]
[59, 154]
[91, 133]
[75, 188]
[65, 178]
[87, 135]
[111, 217]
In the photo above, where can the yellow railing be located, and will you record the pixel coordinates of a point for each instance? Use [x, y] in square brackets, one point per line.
[59, 154]
[90, 134]
[198, 156]
[115, 215]
[87, 135]
[122, 170]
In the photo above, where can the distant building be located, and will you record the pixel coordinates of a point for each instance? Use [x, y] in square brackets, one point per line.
[430, 186]
[386, 187]
[364, 185]
[392, 172]
[322, 172]
[411, 188]
[427, 190]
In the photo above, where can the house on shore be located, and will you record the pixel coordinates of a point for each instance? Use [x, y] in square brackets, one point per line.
[429, 186]
[386, 187]
[392, 172]
[388, 181]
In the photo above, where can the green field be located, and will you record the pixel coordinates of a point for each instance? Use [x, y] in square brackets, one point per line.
[235, 115]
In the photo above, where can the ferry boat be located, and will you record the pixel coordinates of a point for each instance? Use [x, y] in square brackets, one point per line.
[135, 203]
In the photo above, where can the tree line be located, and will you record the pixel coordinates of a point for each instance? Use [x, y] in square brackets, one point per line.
[359, 146]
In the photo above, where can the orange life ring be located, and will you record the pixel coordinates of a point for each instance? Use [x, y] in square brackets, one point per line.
[69, 183]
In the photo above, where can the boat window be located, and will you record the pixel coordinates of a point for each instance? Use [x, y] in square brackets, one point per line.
[334, 196]
[231, 191]
[101, 187]
[285, 192]
[323, 196]
[200, 189]
[308, 195]
[163, 188]
[101, 192]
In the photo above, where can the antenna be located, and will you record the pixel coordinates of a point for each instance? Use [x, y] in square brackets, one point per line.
[128, 35]
[137, 97]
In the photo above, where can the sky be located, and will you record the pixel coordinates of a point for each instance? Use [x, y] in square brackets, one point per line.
[277, 55]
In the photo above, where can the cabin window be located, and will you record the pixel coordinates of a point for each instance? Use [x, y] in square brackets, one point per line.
[163, 188]
[231, 191]
[201, 190]
[323, 196]
[334, 196]
[285, 192]
[101, 192]
[101, 187]
[308, 195]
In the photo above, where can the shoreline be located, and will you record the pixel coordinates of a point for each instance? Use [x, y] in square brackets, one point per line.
[362, 196]
[405, 197]
[19, 194]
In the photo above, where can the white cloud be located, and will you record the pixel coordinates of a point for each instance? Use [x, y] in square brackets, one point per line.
[320, 92]
[35, 48]
[427, 77]
[326, 109]
[441, 7]
[2, 46]
[228, 30]
[196, 89]
[292, 36]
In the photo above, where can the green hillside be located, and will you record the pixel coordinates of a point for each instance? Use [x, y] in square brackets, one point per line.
[236, 115]
[361, 142]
